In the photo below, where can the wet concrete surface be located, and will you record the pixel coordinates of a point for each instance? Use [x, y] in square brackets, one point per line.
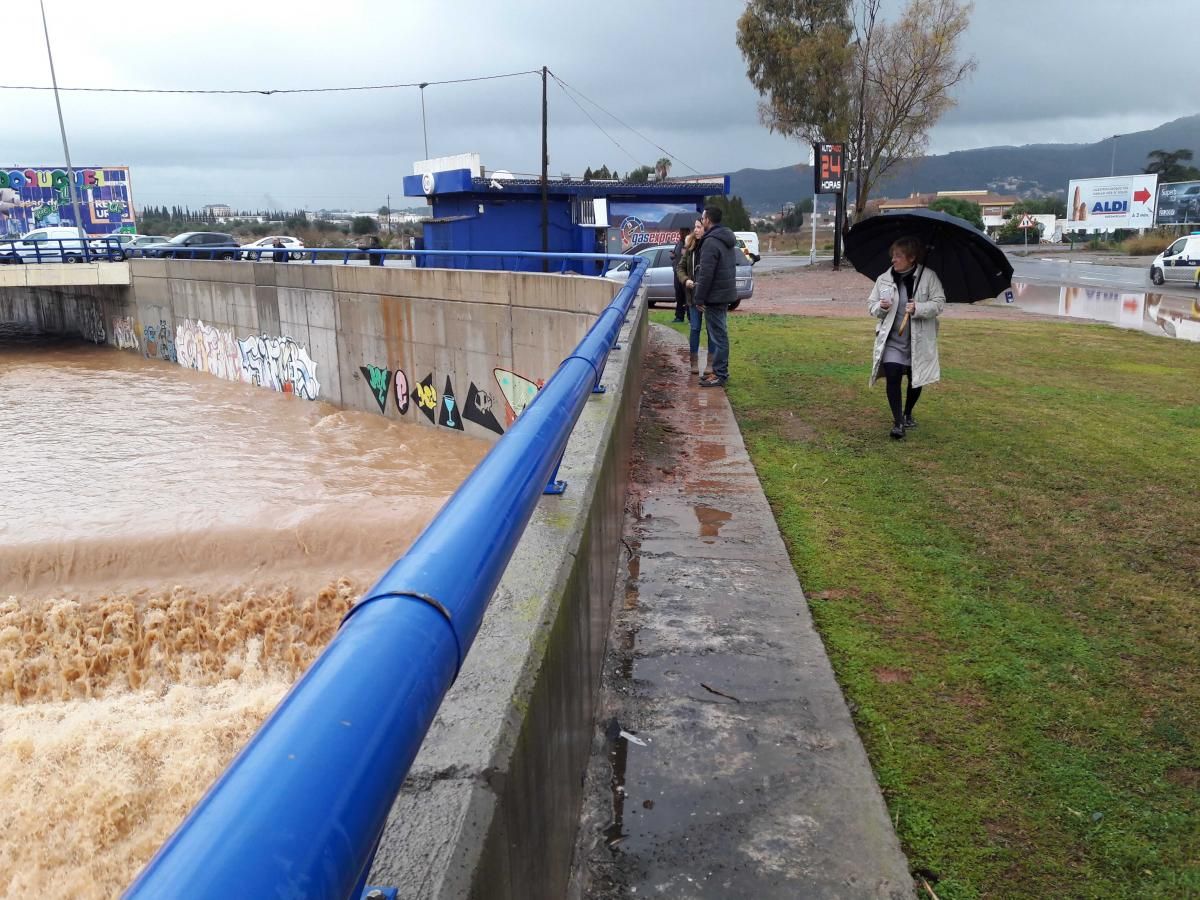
[725, 761]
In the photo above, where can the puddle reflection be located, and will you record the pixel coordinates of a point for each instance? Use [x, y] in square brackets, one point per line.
[711, 520]
[1173, 315]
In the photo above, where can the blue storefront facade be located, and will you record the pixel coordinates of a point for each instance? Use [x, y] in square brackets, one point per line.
[472, 213]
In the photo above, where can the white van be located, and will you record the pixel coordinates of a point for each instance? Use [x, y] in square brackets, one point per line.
[1179, 262]
[54, 244]
[751, 239]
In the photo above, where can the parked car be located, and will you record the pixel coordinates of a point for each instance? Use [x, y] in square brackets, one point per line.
[141, 241]
[195, 245]
[660, 277]
[56, 244]
[263, 247]
[1179, 262]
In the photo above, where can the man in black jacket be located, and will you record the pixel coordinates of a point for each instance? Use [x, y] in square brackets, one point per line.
[715, 290]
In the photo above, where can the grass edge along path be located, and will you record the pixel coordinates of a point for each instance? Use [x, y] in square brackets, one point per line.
[1009, 596]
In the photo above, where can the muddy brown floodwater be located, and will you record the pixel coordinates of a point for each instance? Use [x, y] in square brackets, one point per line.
[174, 550]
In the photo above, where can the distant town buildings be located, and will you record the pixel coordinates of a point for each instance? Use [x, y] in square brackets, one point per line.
[218, 210]
[995, 207]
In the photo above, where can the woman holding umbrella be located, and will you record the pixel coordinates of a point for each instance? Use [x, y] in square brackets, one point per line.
[907, 299]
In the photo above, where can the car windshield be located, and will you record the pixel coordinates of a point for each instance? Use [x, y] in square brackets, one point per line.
[181, 238]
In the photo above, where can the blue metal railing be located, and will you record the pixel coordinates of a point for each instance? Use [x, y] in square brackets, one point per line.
[110, 249]
[300, 811]
[64, 250]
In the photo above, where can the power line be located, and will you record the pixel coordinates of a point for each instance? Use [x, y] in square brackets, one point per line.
[267, 92]
[621, 123]
[563, 88]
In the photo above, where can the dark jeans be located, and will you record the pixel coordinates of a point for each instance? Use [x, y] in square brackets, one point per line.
[695, 320]
[718, 340]
[894, 373]
[681, 304]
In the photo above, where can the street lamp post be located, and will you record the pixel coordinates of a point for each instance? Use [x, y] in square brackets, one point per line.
[63, 131]
[1112, 163]
[422, 86]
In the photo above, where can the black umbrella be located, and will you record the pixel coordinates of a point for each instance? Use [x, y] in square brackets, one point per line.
[679, 220]
[969, 265]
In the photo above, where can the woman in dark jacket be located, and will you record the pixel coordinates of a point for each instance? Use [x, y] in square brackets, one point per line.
[685, 274]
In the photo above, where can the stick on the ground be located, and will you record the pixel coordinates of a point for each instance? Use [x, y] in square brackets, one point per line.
[928, 888]
[713, 690]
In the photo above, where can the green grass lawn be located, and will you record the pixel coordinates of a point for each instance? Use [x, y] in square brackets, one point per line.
[1010, 596]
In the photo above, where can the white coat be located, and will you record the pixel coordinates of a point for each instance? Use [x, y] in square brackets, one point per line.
[930, 301]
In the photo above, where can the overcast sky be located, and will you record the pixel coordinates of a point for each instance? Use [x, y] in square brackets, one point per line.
[1049, 71]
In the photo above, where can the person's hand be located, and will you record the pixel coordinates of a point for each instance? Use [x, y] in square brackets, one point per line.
[910, 307]
[885, 302]
[690, 283]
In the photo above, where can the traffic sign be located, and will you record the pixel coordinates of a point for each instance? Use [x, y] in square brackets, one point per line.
[1027, 221]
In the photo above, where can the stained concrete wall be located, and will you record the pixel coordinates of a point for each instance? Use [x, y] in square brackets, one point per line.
[456, 349]
[492, 802]
[392, 340]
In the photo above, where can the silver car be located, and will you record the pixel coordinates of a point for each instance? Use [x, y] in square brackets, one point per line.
[660, 277]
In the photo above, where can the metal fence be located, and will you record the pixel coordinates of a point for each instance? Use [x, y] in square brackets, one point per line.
[300, 811]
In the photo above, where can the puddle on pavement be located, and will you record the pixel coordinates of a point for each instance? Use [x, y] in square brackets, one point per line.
[710, 451]
[1172, 315]
[710, 520]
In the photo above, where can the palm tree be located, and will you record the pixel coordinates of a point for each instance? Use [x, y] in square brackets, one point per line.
[662, 168]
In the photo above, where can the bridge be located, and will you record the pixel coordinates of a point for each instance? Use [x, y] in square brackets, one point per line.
[359, 783]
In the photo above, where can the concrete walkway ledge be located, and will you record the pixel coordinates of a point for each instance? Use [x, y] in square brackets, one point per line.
[726, 762]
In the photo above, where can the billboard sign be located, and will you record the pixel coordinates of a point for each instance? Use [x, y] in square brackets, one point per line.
[828, 168]
[40, 196]
[1099, 204]
[643, 224]
[1178, 203]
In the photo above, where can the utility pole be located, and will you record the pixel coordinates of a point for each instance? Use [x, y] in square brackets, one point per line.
[812, 252]
[389, 213]
[63, 130]
[545, 174]
[424, 133]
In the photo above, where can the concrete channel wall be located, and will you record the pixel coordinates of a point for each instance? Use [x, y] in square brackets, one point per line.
[445, 348]
[491, 804]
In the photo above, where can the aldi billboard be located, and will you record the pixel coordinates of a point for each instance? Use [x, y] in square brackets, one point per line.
[40, 196]
[1100, 204]
[1178, 203]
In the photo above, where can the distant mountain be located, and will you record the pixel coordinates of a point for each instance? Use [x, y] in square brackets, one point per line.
[1023, 171]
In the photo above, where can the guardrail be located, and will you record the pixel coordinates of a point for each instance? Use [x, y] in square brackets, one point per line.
[300, 811]
[62, 250]
[111, 250]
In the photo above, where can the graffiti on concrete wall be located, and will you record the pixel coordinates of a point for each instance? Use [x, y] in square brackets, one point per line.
[450, 415]
[379, 380]
[160, 341]
[124, 333]
[91, 322]
[401, 392]
[478, 409]
[280, 364]
[447, 409]
[425, 396]
[208, 349]
[518, 392]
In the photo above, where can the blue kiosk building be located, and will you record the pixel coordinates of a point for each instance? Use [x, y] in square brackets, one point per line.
[474, 210]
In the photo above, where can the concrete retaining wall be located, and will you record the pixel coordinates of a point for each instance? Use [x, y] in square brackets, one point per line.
[491, 805]
[446, 348]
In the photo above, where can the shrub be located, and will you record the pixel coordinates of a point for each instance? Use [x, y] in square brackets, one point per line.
[1151, 243]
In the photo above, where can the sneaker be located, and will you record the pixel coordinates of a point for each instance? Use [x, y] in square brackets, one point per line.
[678, 320]
[712, 381]
[909, 421]
[897, 432]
